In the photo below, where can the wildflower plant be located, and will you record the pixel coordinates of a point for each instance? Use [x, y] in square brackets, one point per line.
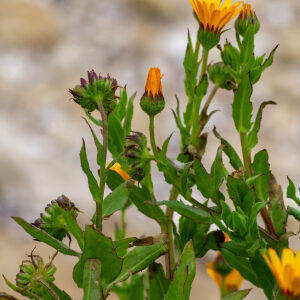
[223, 219]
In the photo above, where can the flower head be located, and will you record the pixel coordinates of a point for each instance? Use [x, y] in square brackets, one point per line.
[153, 83]
[97, 88]
[152, 102]
[247, 17]
[218, 270]
[286, 271]
[212, 15]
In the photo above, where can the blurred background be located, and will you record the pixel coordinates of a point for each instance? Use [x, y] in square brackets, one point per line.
[47, 45]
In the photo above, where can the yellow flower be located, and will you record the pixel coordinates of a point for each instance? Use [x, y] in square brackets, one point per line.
[233, 279]
[286, 271]
[212, 15]
[153, 83]
[118, 169]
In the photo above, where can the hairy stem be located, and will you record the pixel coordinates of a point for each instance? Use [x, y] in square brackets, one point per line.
[99, 203]
[247, 163]
[197, 103]
[152, 137]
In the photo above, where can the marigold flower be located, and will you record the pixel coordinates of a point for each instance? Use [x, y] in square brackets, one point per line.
[212, 15]
[153, 83]
[218, 269]
[286, 271]
[247, 17]
[152, 102]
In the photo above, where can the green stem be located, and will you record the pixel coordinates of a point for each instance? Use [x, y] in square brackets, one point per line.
[247, 164]
[152, 137]
[197, 103]
[170, 258]
[102, 176]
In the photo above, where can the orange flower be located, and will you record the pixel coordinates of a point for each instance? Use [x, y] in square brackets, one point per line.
[118, 169]
[212, 15]
[286, 271]
[233, 279]
[246, 11]
[153, 83]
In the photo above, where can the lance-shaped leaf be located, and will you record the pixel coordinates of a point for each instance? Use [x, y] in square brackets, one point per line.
[291, 192]
[120, 109]
[180, 287]
[217, 170]
[93, 184]
[277, 208]
[140, 258]
[196, 214]
[116, 137]
[60, 293]
[203, 180]
[73, 227]
[44, 237]
[252, 136]
[92, 279]
[158, 283]
[242, 106]
[141, 198]
[128, 115]
[98, 246]
[97, 143]
[234, 158]
[261, 166]
[238, 295]
[247, 50]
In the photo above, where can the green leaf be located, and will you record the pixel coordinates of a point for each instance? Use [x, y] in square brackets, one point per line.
[231, 56]
[91, 279]
[247, 50]
[73, 227]
[116, 199]
[129, 115]
[113, 179]
[44, 237]
[98, 246]
[263, 273]
[180, 287]
[97, 143]
[239, 223]
[261, 165]
[131, 290]
[240, 263]
[234, 159]
[291, 192]
[116, 137]
[196, 214]
[252, 136]
[120, 109]
[60, 293]
[277, 208]
[242, 106]
[188, 230]
[203, 180]
[140, 258]
[123, 244]
[217, 173]
[158, 283]
[255, 74]
[140, 197]
[238, 295]
[93, 185]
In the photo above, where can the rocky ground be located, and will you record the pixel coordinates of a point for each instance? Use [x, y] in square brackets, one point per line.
[47, 45]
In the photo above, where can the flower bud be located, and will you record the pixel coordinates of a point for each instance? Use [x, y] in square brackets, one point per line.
[246, 18]
[152, 102]
[33, 272]
[208, 38]
[220, 76]
[95, 90]
[52, 221]
[136, 155]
